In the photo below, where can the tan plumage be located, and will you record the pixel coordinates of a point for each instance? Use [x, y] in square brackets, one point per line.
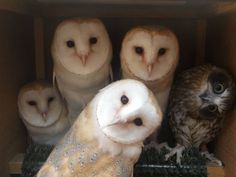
[150, 54]
[106, 139]
[82, 53]
[43, 112]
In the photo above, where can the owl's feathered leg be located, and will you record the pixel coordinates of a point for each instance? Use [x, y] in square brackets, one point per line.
[211, 158]
[157, 146]
[178, 150]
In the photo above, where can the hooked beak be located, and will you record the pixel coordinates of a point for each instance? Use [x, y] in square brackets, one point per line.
[149, 69]
[44, 116]
[83, 59]
[205, 97]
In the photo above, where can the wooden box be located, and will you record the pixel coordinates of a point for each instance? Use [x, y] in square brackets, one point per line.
[206, 30]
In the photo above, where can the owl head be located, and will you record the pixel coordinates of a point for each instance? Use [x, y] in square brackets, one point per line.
[81, 46]
[39, 104]
[127, 112]
[150, 53]
[217, 93]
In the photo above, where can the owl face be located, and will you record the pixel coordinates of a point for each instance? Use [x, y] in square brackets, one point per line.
[81, 46]
[150, 52]
[127, 112]
[39, 104]
[217, 95]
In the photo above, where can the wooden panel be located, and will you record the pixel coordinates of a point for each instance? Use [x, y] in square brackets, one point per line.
[221, 42]
[39, 47]
[221, 51]
[127, 10]
[226, 145]
[16, 68]
[22, 6]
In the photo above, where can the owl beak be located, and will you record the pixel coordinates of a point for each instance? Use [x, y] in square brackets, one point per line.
[205, 97]
[44, 116]
[83, 59]
[149, 69]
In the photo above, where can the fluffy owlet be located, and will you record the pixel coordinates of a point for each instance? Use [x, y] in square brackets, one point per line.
[199, 101]
[106, 139]
[43, 113]
[151, 54]
[81, 51]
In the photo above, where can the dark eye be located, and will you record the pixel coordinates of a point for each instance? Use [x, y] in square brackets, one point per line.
[93, 40]
[138, 121]
[124, 99]
[70, 43]
[50, 99]
[32, 103]
[218, 88]
[161, 51]
[212, 108]
[139, 50]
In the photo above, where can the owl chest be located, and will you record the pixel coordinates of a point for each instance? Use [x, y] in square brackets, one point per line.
[87, 160]
[193, 132]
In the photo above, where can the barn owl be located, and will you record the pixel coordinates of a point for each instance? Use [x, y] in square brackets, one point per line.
[199, 101]
[150, 54]
[106, 139]
[43, 113]
[82, 52]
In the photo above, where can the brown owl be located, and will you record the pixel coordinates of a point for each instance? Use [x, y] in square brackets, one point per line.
[199, 101]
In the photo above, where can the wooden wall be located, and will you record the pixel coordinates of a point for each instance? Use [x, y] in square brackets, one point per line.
[221, 50]
[16, 69]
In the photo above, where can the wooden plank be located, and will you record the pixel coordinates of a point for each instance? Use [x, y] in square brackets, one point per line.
[39, 47]
[200, 44]
[215, 171]
[135, 11]
[19, 6]
[115, 2]
[224, 7]
[16, 69]
[16, 163]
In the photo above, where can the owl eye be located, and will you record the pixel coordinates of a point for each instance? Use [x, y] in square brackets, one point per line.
[161, 51]
[139, 50]
[32, 103]
[93, 40]
[70, 43]
[124, 99]
[218, 88]
[138, 121]
[212, 108]
[50, 99]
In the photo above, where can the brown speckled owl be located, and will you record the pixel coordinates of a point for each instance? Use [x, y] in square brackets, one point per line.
[199, 101]
[106, 139]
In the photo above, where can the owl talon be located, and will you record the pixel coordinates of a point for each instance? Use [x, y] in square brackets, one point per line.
[212, 158]
[178, 150]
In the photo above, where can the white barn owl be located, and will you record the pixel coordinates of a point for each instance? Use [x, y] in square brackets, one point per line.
[82, 52]
[150, 54]
[107, 138]
[43, 113]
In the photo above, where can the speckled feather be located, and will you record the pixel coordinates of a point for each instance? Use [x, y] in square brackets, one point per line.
[189, 128]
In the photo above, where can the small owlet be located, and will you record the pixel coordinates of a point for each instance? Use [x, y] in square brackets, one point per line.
[199, 101]
[82, 52]
[150, 54]
[43, 113]
[107, 138]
